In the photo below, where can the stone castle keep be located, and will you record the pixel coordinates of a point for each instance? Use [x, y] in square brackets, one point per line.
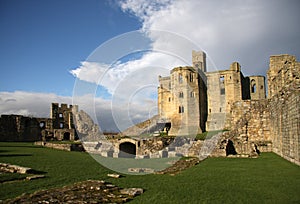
[192, 100]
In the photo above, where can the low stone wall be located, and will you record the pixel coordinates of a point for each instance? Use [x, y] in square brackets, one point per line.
[65, 147]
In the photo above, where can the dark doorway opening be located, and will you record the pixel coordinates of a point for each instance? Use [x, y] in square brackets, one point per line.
[230, 149]
[127, 150]
[66, 136]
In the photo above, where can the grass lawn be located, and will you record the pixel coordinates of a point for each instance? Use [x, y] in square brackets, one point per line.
[267, 179]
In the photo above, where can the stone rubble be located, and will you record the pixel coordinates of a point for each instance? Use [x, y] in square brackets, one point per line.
[91, 191]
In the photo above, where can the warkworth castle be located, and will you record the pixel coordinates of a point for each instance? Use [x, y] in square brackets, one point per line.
[192, 100]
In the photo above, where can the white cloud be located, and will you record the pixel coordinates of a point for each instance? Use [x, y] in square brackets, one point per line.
[245, 31]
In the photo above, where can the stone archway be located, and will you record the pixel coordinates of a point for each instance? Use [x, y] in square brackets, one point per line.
[127, 150]
[66, 136]
[230, 149]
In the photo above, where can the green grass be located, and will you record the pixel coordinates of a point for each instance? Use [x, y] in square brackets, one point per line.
[5, 177]
[267, 179]
[207, 135]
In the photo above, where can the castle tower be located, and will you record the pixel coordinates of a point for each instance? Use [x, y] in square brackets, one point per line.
[223, 88]
[257, 87]
[199, 60]
[62, 119]
[182, 101]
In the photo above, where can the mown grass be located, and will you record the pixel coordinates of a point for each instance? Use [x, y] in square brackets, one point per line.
[267, 179]
[207, 135]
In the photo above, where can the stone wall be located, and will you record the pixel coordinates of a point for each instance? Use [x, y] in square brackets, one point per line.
[284, 106]
[249, 127]
[285, 124]
[18, 128]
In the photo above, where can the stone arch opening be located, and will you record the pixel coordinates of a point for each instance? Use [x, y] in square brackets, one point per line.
[66, 136]
[253, 86]
[127, 150]
[230, 149]
[42, 124]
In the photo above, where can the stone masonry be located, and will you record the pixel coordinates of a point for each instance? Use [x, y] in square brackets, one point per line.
[59, 126]
[238, 103]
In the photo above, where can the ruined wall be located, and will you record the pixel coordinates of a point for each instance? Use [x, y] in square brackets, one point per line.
[62, 121]
[250, 126]
[285, 125]
[257, 87]
[16, 128]
[284, 106]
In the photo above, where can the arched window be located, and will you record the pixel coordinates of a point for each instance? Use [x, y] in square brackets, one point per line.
[191, 77]
[180, 79]
[42, 124]
[181, 109]
[192, 94]
[181, 94]
[253, 86]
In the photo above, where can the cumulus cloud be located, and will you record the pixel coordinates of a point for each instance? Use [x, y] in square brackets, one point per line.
[245, 31]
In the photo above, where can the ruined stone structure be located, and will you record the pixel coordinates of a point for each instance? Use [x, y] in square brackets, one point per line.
[182, 98]
[19, 128]
[59, 126]
[194, 100]
[237, 103]
[284, 106]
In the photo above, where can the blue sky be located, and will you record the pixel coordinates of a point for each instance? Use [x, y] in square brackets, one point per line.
[48, 47]
[42, 40]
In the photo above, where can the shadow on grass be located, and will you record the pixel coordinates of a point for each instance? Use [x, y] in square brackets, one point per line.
[33, 171]
[15, 155]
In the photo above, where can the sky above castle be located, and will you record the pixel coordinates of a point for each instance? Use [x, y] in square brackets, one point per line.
[52, 49]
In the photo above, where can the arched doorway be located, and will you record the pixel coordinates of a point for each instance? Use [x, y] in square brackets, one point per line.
[66, 136]
[230, 149]
[127, 150]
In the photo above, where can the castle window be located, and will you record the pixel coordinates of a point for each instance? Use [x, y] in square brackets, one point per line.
[181, 109]
[60, 115]
[253, 86]
[222, 79]
[180, 94]
[42, 124]
[161, 86]
[192, 94]
[180, 79]
[220, 110]
[61, 125]
[261, 87]
[169, 99]
[191, 77]
[170, 85]
[222, 91]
